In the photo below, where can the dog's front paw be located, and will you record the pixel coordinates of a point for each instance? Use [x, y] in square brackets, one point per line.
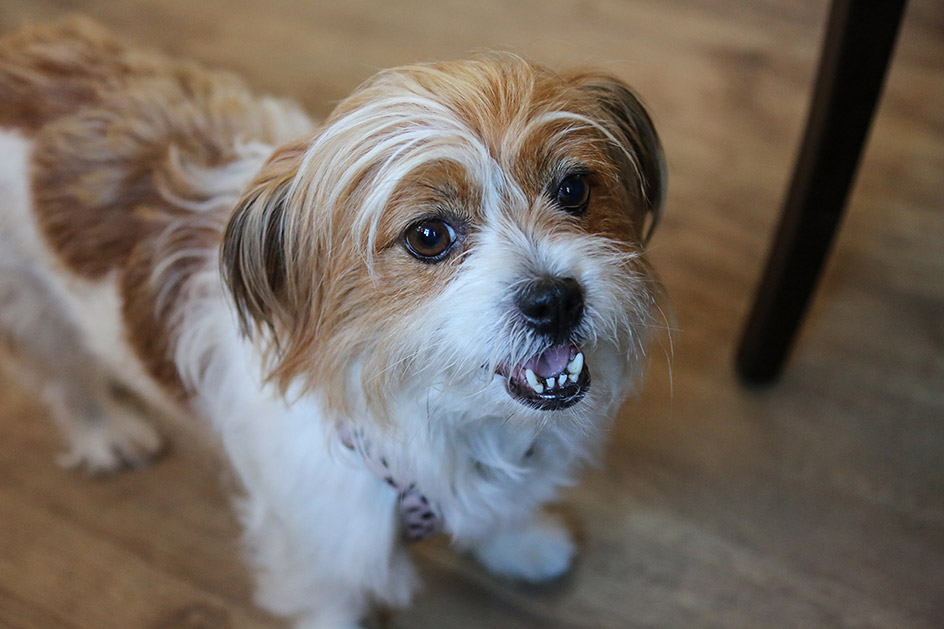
[540, 551]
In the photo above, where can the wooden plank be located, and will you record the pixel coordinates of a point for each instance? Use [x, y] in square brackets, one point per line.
[55, 567]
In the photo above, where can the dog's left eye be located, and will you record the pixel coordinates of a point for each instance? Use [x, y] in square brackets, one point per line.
[429, 239]
[573, 193]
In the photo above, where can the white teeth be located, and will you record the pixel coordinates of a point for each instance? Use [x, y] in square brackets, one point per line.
[571, 374]
[533, 381]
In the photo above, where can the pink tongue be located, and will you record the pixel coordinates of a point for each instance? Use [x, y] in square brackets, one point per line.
[551, 362]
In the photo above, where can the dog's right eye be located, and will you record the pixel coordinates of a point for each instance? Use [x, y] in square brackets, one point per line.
[429, 239]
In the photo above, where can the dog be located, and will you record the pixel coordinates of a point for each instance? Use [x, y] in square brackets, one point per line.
[418, 316]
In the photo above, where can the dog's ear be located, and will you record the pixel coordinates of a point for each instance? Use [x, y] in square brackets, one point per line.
[254, 252]
[625, 118]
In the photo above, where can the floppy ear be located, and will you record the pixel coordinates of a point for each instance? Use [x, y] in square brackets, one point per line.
[254, 251]
[627, 120]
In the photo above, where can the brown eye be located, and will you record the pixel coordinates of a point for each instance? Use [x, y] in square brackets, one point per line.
[573, 193]
[429, 239]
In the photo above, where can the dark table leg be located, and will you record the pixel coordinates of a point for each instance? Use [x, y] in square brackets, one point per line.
[859, 40]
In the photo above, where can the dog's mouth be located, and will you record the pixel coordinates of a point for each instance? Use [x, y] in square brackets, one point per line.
[554, 380]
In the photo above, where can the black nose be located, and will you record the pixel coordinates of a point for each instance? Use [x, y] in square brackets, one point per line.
[552, 306]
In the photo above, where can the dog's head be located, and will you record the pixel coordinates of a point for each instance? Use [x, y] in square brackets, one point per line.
[471, 232]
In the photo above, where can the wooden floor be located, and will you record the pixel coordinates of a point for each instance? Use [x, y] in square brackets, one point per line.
[815, 503]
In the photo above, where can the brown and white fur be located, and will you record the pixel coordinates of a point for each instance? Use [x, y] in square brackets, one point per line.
[164, 230]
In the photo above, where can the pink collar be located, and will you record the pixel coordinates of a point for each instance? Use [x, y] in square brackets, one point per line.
[419, 519]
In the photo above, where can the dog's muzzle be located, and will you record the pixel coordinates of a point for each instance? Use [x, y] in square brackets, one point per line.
[557, 378]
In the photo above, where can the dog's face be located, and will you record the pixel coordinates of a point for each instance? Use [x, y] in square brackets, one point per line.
[469, 235]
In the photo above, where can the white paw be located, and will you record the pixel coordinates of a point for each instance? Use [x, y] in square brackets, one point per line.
[539, 552]
[107, 444]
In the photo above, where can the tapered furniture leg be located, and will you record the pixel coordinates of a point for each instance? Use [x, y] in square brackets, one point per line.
[858, 44]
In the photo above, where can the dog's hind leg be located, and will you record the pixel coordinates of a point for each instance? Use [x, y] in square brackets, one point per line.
[104, 432]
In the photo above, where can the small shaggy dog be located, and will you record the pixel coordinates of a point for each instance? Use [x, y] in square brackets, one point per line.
[418, 316]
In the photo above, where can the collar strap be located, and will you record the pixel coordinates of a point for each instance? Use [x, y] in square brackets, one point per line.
[418, 518]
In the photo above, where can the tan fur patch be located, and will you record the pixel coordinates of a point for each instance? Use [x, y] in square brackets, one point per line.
[50, 71]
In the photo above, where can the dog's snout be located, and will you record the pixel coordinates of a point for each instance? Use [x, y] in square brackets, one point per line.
[552, 306]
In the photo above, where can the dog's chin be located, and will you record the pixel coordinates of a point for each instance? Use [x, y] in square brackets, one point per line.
[554, 380]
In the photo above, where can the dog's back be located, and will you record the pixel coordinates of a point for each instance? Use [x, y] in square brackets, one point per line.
[116, 159]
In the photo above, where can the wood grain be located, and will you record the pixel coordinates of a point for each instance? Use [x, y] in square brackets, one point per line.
[816, 503]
